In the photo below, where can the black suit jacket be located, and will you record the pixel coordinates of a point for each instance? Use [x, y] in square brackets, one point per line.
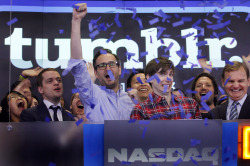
[41, 113]
[220, 112]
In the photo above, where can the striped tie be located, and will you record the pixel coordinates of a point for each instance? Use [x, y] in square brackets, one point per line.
[234, 112]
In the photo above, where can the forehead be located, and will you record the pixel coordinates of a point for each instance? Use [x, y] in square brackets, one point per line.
[14, 94]
[141, 75]
[51, 74]
[237, 74]
[204, 80]
[105, 58]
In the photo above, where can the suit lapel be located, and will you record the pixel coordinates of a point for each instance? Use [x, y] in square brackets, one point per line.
[244, 109]
[223, 112]
[43, 112]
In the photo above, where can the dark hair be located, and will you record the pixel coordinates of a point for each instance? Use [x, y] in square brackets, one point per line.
[213, 81]
[129, 80]
[39, 79]
[4, 116]
[100, 52]
[154, 65]
[236, 65]
[177, 89]
[34, 96]
[15, 84]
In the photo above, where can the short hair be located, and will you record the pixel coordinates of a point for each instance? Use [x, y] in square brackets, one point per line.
[236, 65]
[39, 79]
[100, 53]
[15, 84]
[72, 98]
[154, 65]
[213, 82]
[129, 80]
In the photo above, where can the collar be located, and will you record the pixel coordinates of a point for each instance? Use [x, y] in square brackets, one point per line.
[158, 98]
[48, 103]
[241, 101]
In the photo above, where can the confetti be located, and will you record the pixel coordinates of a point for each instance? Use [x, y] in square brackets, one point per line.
[232, 41]
[153, 21]
[112, 35]
[135, 101]
[163, 15]
[165, 88]
[140, 22]
[223, 98]
[196, 23]
[75, 91]
[12, 21]
[128, 37]
[132, 121]
[47, 119]
[150, 97]
[169, 47]
[92, 106]
[247, 18]
[188, 35]
[154, 77]
[190, 91]
[177, 162]
[144, 122]
[201, 43]
[194, 142]
[142, 54]
[111, 76]
[178, 23]
[206, 97]
[160, 31]
[144, 131]
[219, 26]
[139, 80]
[129, 55]
[188, 116]
[221, 90]
[194, 161]
[93, 34]
[125, 163]
[186, 19]
[52, 164]
[213, 151]
[205, 122]
[79, 122]
[187, 81]
[205, 106]
[61, 31]
[229, 63]
[229, 30]
[124, 71]
[117, 20]
[75, 7]
[207, 21]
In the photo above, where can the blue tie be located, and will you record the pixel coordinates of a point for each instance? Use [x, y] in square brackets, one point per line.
[234, 112]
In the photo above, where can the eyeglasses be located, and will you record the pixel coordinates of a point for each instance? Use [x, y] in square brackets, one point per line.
[15, 96]
[103, 66]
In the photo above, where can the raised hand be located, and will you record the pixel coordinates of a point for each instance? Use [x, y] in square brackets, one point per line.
[32, 72]
[79, 14]
[206, 67]
[246, 61]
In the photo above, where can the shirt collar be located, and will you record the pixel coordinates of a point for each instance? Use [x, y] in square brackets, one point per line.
[48, 104]
[241, 101]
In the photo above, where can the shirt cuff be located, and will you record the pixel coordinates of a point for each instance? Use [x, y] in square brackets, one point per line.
[71, 64]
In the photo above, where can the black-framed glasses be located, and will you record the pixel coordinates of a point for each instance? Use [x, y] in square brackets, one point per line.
[103, 66]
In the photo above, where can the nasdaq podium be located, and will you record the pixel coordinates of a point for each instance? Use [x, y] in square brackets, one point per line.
[149, 143]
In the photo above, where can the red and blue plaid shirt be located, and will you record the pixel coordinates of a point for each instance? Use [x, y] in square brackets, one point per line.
[159, 109]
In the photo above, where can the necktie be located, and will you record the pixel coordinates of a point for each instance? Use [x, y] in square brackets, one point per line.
[55, 112]
[234, 114]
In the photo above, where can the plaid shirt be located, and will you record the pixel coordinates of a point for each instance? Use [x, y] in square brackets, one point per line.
[179, 108]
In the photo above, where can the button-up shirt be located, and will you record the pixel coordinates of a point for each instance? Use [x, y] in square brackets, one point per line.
[159, 109]
[99, 103]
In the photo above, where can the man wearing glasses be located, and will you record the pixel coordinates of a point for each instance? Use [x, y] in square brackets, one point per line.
[106, 102]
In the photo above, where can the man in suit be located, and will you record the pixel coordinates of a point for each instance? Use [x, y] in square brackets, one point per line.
[235, 80]
[49, 85]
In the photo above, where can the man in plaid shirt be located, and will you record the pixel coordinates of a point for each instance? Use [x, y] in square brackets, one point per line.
[161, 104]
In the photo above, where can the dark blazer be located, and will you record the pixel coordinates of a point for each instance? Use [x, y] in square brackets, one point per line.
[41, 113]
[220, 111]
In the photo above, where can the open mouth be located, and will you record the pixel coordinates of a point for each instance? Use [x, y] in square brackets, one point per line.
[80, 106]
[143, 90]
[20, 104]
[58, 89]
[203, 94]
[236, 90]
[107, 76]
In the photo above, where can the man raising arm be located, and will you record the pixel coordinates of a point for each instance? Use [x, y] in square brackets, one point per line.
[106, 102]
